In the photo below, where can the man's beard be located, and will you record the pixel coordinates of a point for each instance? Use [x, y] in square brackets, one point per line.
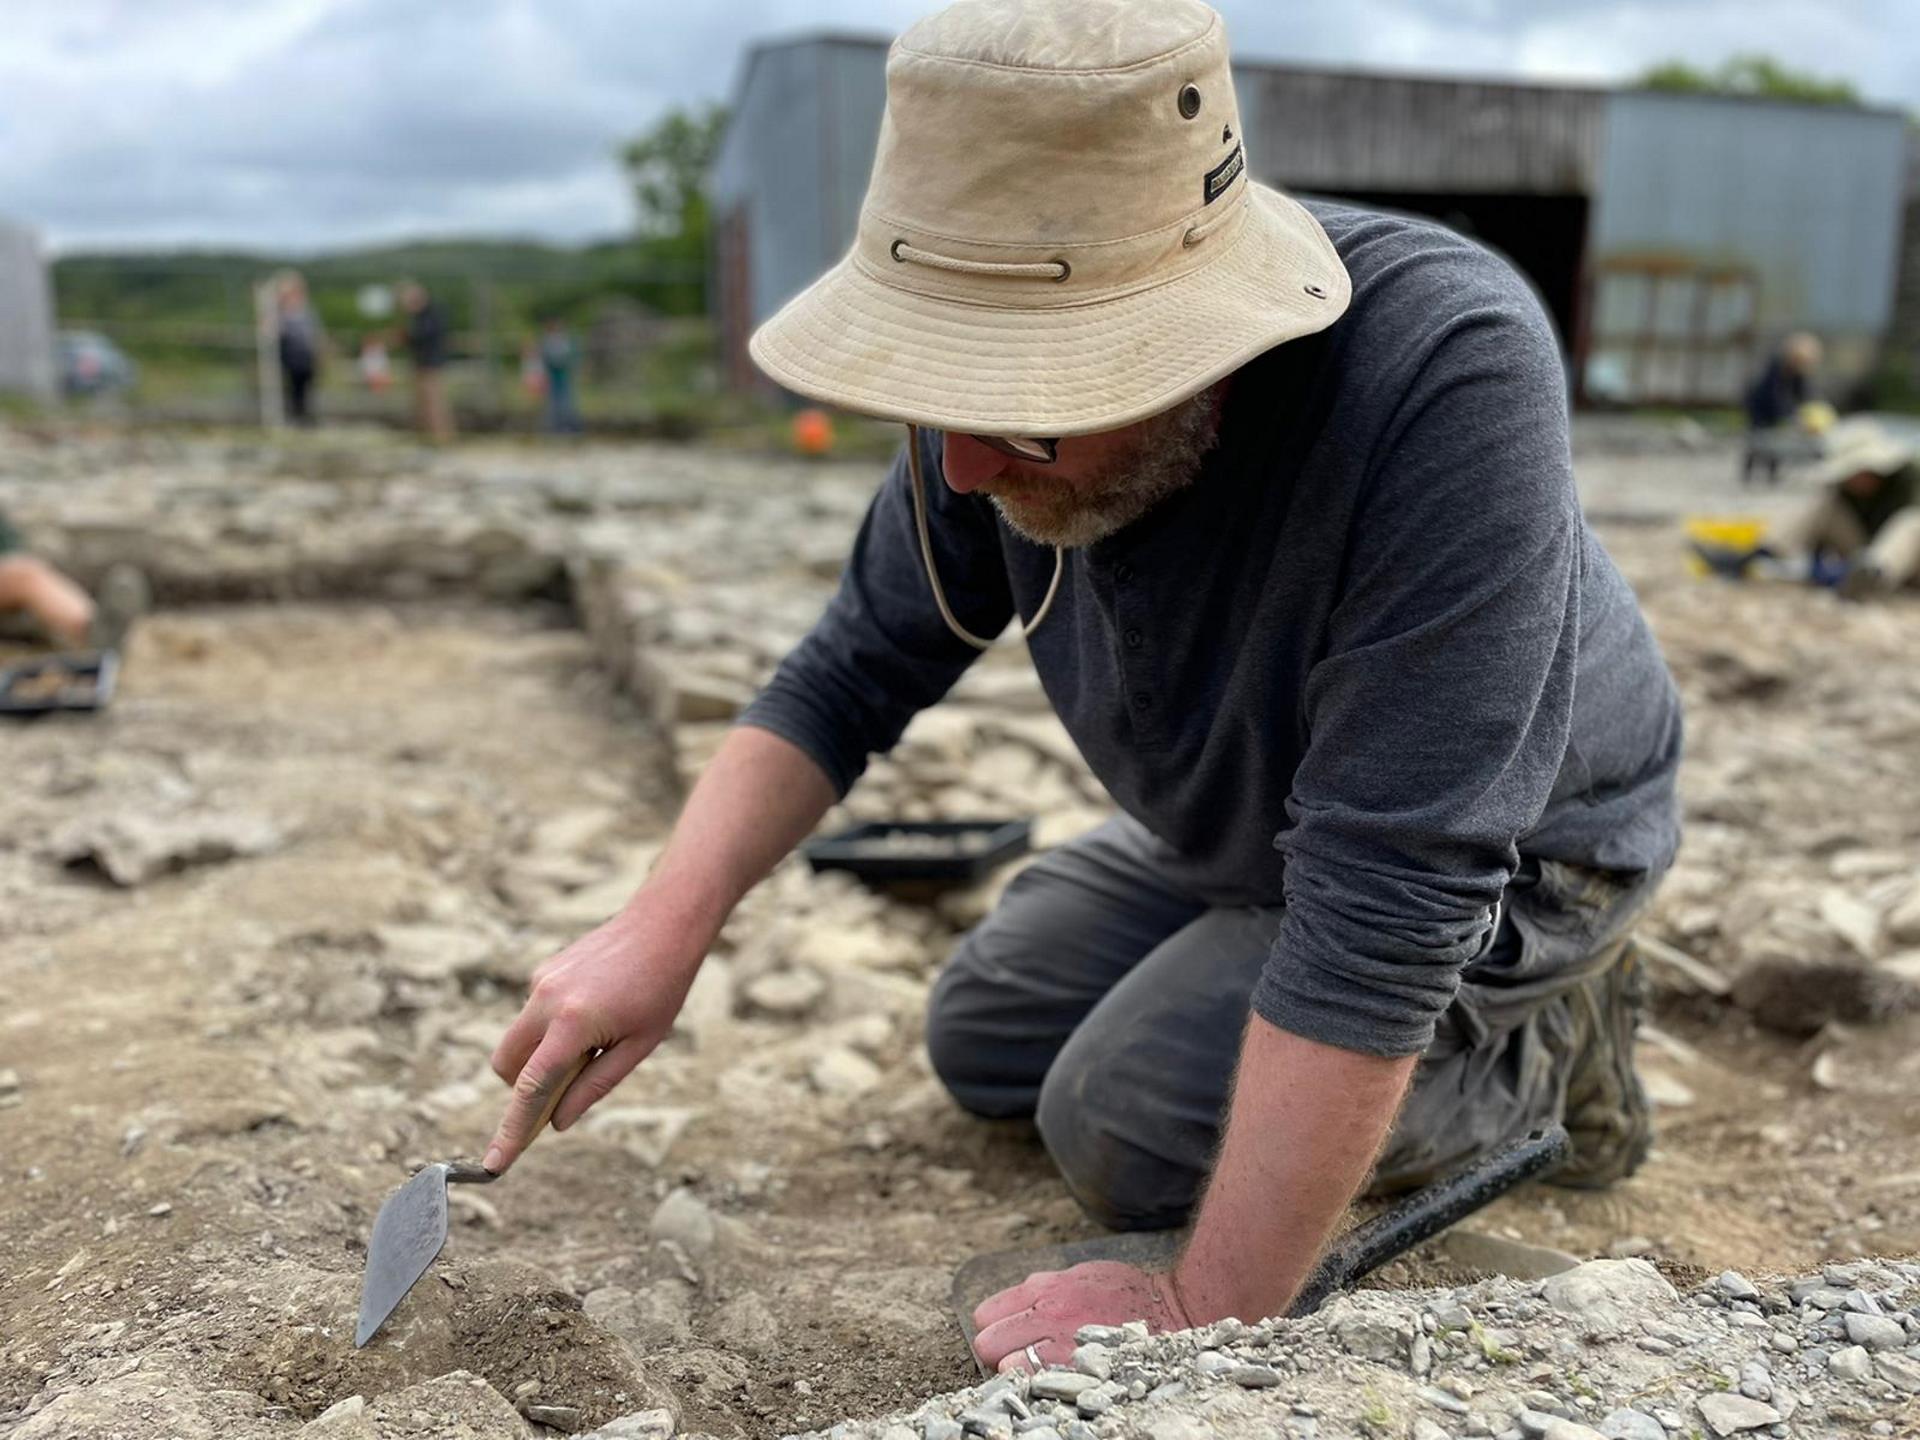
[1166, 459]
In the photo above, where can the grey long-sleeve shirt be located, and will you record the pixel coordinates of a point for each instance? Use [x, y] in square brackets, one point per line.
[1366, 661]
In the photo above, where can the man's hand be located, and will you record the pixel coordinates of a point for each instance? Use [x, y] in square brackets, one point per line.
[1045, 1310]
[617, 990]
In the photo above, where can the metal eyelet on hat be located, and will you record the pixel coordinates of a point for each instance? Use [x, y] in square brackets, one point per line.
[894, 251]
[1065, 271]
[1189, 101]
[1315, 291]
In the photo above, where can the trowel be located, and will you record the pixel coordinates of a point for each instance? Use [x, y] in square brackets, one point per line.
[1411, 1219]
[412, 1225]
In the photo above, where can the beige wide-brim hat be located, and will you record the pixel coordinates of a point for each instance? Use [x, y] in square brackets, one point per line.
[1856, 446]
[1060, 235]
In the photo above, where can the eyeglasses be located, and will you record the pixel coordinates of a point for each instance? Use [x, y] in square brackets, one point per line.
[1034, 452]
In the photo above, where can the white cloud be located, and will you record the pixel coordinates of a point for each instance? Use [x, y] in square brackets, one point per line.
[316, 123]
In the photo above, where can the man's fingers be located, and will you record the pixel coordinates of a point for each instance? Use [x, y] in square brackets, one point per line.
[602, 1073]
[544, 1073]
[1010, 1337]
[1011, 1301]
[521, 1040]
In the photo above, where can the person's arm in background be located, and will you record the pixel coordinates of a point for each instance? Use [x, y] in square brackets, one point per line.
[879, 655]
[1440, 716]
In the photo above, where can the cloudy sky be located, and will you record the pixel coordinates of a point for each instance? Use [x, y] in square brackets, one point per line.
[311, 124]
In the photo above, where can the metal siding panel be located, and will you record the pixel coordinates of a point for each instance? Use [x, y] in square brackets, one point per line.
[1809, 199]
[26, 315]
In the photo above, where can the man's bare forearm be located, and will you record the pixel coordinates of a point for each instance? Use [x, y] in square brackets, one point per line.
[759, 797]
[1305, 1125]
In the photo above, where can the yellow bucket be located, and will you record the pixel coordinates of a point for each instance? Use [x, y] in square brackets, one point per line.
[1734, 534]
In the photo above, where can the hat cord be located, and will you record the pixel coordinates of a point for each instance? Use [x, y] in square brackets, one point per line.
[1039, 269]
[933, 573]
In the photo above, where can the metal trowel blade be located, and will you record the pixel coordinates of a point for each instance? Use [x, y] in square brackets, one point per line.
[407, 1235]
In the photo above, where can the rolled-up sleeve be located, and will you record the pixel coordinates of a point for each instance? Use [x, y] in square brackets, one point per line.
[881, 653]
[1438, 717]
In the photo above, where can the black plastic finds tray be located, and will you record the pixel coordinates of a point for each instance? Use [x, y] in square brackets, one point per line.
[948, 850]
[59, 682]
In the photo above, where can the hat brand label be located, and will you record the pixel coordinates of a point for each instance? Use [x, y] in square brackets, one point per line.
[1223, 175]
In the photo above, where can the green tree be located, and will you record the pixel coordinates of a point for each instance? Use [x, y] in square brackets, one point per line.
[1756, 75]
[667, 167]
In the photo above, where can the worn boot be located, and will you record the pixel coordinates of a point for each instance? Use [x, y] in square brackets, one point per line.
[124, 597]
[1608, 1117]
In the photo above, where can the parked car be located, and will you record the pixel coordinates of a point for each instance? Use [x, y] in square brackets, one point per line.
[91, 364]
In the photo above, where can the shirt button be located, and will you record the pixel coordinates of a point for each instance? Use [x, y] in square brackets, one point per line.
[1122, 573]
[1143, 702]
[1134, 639]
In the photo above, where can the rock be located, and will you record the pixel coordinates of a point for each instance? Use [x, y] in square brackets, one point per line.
[940, 1427]
[429, 952]
[462, 1406]
[641, 1425]
[1730, 1414]
[1631, 1425]
[788, 994]
[1665, 1091]
[1736, 1286]
[1061, 1385]
[1900, 1371]
[1542, 1426]
[1495, 1255]
[130, 848]
[1368, 1337]
[1092, 1359]
[684, 1219]
[1903, 920]
[1852, 1363]
[1852, 920]
[557, 1417]
[9, 1082]
[646, 1132]
[656, 1317]
[1426, 1430]
[845, 1074]
[1179, 1427]
[1608, 1296]
[1875, 1332]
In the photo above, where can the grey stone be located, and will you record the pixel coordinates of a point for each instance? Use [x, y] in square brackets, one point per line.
[641, 1425]
[1179, 1427]
[1061, 1385]
[1876, 1332]
[1631, 1425]
[1851, 1363]
[1368, 1337]
[941, 1427]
[1730, 1414]
[1497, 1255]
[1540, 1426]
[1427, 1430]
[1092, 1359]
[1736, 1286]
[684, 1219]
[557, 1417]
[1607, 1296]
[1899, 1371]
[1255, 1377]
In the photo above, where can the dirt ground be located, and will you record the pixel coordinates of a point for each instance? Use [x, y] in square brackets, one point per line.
[219, 1073]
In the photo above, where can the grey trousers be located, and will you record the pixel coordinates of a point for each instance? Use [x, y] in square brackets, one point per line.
[1106, 999]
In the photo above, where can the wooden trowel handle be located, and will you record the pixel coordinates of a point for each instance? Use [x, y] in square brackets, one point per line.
[559, 1094]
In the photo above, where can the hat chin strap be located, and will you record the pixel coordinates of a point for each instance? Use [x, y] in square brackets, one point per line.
[933, 573]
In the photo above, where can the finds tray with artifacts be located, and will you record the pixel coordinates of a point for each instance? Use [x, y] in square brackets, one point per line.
[953, 851]
[82, 681]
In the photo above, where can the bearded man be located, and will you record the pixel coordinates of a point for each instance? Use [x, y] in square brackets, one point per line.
[1282, 496]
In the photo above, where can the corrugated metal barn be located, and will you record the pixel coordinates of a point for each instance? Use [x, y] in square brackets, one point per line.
[1674, 238]
[26, 315]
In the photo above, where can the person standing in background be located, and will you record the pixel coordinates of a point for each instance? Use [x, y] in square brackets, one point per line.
[559, 356]
[1773, 401]
[299, 338]
[427, 345]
